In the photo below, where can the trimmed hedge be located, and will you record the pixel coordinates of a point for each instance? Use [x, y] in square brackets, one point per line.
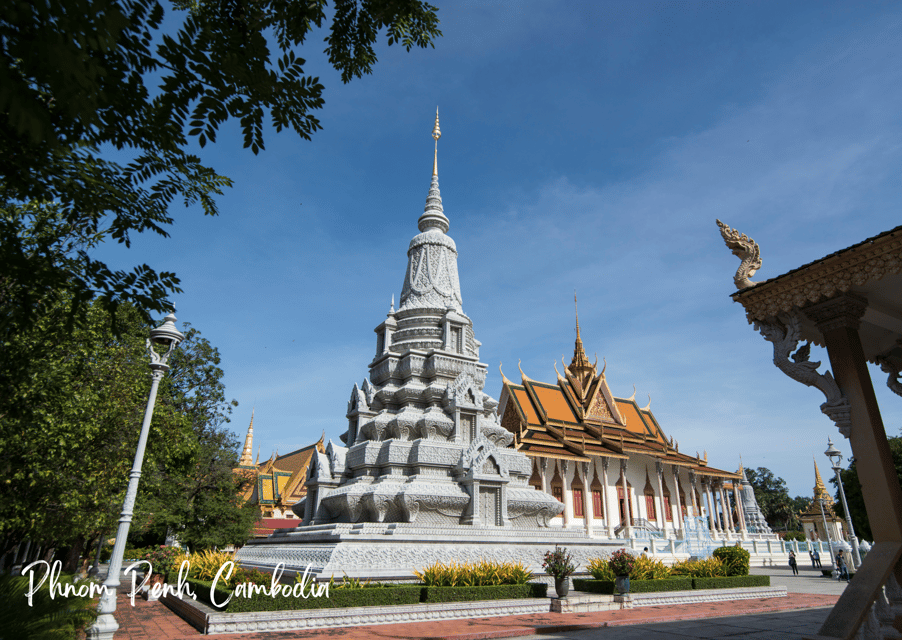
[636, 586]
[489, 592]
[370, 596]
[731, 582]
[374, 595]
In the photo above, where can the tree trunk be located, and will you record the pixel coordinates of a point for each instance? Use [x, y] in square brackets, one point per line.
[70, 562]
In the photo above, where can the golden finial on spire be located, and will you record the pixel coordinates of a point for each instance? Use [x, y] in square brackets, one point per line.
[436, 133]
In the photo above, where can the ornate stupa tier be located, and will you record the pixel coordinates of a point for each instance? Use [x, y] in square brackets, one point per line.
[431, 281]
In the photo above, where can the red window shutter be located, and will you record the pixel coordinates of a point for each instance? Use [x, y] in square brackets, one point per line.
[597, 504]
[578, 503]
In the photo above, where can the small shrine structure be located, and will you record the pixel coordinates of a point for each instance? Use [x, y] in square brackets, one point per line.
[813, 518]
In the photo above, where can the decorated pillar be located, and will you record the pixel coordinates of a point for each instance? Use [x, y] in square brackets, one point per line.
[588, 515]
[712, 509]
[726, 509]
[543, 474]
[693, 489]
[662, 517]
[739, 511]
[608, 514]
[628, 522]
[568, 491]
[678, 523]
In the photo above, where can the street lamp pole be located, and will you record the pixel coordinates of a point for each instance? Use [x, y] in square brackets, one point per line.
[167, 336]
[829, 541]
[836, 460]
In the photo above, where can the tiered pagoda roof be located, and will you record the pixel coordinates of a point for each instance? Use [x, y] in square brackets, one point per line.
[578, 418]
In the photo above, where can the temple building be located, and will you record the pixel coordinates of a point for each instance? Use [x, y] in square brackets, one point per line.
[610, 462]
[277, 483]
[813, 518]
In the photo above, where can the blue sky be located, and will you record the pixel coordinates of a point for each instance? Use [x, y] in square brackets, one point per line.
[586, 146]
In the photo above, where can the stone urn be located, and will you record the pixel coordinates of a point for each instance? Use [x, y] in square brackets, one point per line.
[621, 585]
[562, 586]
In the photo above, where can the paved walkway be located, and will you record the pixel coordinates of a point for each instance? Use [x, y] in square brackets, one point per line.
[791, 618]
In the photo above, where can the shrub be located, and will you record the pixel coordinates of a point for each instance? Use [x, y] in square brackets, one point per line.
[734, 559]
[477, 574]
[47, 618]
[600, 569]
[794, 535]
[622, 562]
[163, 560]
[731, 582]
[707, 568]
[490, 592]
[636, 586]
[645, 568]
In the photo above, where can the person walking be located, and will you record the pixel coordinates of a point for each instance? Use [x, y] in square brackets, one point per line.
[817, 558]
[793, 563]
[841, 567]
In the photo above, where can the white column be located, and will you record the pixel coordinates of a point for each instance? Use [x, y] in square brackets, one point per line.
[725, 507]
[678, 521]
[588, 514]
[693, 488]
[662, 517]
[608, 514]
[740, 511]
[568, 492]
[706, 487]
[543, 474]
[626, 498]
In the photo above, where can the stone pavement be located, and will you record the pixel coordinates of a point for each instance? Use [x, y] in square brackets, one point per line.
[811, 596]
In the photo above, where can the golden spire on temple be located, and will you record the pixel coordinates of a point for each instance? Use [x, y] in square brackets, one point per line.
[436, 134]
[820, 490]
[246, 453]
[579, 353]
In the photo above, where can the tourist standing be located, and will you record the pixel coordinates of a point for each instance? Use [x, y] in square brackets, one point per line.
[841, 567]
[817, 558]
[793, 563]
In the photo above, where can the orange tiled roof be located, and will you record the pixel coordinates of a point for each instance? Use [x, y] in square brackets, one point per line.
[578, 417]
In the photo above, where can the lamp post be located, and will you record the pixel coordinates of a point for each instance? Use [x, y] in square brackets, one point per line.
[829, 541]
[836, 460]
[167, 337]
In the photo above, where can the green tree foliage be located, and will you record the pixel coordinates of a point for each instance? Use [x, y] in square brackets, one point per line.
[773, 498]
[106, 75]
[69, 423]
[853, 492]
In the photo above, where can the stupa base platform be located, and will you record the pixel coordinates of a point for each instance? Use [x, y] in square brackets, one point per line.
[392, 551]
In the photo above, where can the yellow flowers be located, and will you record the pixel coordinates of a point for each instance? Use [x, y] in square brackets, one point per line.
[707, 568]
[647, 568]
[473, 574]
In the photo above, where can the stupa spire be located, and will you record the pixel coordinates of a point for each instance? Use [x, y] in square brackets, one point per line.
[436, 134]
[246, 460]
[431, 281]
[433, 217]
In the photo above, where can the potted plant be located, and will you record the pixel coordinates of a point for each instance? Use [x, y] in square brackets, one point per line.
[621, 563]
[162, 560]
[559, 564]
